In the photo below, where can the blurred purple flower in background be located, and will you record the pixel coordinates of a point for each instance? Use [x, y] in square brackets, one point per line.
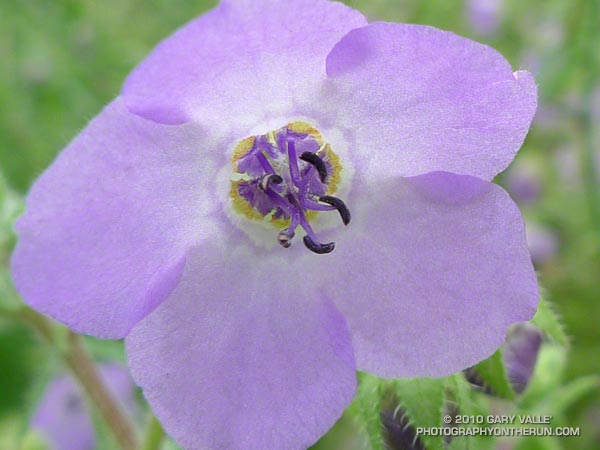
[543, 242]
[484, 16]
[172, 218]
[523, 183]
[568, 158]
[567, 166]
[520, 354]
[63, 418]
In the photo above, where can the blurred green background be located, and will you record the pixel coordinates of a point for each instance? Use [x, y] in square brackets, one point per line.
[62, 60]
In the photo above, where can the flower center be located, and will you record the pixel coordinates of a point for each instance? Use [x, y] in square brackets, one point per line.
[285, 178]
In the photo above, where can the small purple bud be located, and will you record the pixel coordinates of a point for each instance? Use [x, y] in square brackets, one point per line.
[520, 354]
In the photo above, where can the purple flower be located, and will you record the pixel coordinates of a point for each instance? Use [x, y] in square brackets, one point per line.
[285, 194]
[543, 242]
[520, 354]
[523, 183]
[63, 418]
[484, 15]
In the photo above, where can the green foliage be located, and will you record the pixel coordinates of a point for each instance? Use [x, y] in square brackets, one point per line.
[17, 352]
[564, 397]
[366, 409]
[548, 320]
[11, 204]
[493, 372]
[34, 441]
[422, 400]
[548, 374]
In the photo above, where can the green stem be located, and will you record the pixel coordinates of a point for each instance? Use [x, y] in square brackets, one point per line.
[80, 363]
[154, 435]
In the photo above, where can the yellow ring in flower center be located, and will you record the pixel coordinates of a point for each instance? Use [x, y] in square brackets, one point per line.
[246, 152]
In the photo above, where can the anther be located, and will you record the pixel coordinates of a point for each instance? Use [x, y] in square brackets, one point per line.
[316, 161]
[339, 205]
[267, 179]
[317, 247]
[284, 237]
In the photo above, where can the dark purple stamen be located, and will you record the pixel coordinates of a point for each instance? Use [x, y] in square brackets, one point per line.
[319, 164]
[339, 205]
[310, 204]
[317, 247]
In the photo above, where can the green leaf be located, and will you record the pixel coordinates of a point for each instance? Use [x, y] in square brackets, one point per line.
[422, 399]
[549, 321]
[33, 440]
[10, 301]
[564, 397]
[539, 443]
[366, 410]
[472, 443]
[547, 376]
[21, 364]
[493, 372]
[346, 434]
[466, 400]
[360, 428]
[11, 206]
[460, 393]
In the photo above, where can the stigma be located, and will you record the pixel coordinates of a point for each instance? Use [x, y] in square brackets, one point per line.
[285, 178]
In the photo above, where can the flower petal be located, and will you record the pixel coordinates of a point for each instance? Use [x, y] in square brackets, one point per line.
[421, 100]
[243, 356]
[104, 235]
[241, 62]
[435, 271]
